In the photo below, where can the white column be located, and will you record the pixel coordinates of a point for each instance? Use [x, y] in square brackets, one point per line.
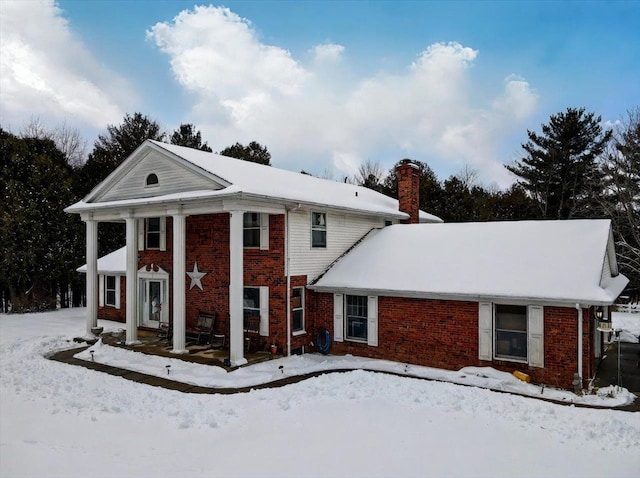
[179, 284]
[132, 281]
[236, 288]
[92, 275]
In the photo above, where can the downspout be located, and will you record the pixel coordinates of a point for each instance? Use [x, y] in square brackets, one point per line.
[579, 309]
[288, 276]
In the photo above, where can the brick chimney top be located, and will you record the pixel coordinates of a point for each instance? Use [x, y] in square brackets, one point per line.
[408, 174]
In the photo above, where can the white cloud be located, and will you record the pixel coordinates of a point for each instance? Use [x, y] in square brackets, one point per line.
[310, 114]
[327, 52]
[46, 72]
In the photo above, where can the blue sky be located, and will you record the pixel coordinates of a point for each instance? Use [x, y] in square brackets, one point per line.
[325, 85]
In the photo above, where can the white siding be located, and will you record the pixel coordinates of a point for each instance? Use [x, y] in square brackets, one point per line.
[606, 269]
[343, 230]
[172, 178]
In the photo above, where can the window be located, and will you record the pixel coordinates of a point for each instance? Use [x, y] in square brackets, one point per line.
[388, 222]
[356, 313]
[152, 180]
[318, 229]
[256, 306]
[251, 302]
[251, 229]
[511, 331]
[110, 291]
[297, 307]
[153, 233]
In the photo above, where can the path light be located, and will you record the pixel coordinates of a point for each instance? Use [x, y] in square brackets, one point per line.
[92, 352]
[168, 367]
[604, 323]
[281, 367]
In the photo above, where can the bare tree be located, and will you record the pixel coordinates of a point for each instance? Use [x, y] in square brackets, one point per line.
[468, 176]
[370, 175]
[620, 198]
[66, 139]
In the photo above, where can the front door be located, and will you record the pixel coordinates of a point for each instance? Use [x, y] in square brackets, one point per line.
[154, 308]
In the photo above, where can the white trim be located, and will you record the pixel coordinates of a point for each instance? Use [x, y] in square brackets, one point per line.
[485, 331]
[118, 305]
[338, 317]
[264, 231]
[264, 311]
[372, 321]
[535, 335]
[101, 290]
[163, 233]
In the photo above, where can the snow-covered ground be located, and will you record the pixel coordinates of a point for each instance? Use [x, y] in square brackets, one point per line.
[61, 420]
[628, 324]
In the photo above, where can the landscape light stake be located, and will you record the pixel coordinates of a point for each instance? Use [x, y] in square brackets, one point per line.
[92, 352]
[168, 367]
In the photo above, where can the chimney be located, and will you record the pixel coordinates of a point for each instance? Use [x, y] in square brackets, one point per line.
[408, 176]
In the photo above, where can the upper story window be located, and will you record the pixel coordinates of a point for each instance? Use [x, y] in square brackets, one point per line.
[153, 233]
[256, 230]
[152, 180]
[318, 229]
[251, 229]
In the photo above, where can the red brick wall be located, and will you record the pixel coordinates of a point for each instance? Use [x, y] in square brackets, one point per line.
[444, 334]
[111, 313]
[208, 244]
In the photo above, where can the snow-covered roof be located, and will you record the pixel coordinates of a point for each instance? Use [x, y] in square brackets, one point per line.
[545, 261]
[114, 263]
[252, 180]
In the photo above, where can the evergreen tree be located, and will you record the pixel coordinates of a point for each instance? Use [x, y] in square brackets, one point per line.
[108, 153]
[39, 241]
[560, 169]
[254, 152]
[110, 150]
[431, 193]
[186, 135]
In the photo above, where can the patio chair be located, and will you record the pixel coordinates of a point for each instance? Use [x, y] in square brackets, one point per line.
[252, 334]
[202, 332]
[165, 330]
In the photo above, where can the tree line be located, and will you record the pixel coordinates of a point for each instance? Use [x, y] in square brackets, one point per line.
[572, 169]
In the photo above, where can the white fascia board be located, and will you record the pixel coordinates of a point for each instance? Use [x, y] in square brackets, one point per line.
[464, 297]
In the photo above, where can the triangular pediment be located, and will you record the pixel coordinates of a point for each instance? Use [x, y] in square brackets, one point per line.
[174, 175]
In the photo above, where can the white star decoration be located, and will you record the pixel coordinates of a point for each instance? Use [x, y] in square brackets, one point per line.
[196, 277]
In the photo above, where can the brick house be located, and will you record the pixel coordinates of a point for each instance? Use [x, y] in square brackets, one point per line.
[221, 235]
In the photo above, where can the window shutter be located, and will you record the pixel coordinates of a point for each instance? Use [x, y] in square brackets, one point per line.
[264, 311]
[338, 318]
[141, 241]
[485, 331]
[118, 292]
[101, 290]
[535, 329]
[264, 232]
[163, 233]
[372, 321]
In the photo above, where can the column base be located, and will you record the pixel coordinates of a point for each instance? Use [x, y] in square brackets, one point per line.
[179, 351]
[237, 363]
[133, 342]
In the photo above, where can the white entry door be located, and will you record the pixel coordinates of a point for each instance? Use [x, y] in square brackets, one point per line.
[154, 303]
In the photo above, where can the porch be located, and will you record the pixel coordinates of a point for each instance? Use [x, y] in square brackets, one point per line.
[149, 343]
